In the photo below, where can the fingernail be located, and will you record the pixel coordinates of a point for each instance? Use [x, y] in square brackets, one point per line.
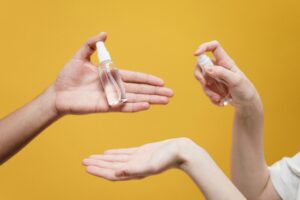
[170, 92]
[85, 161]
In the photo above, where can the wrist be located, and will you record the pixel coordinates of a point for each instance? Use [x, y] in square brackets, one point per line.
[47, 103]
[190, 155]
[252, 107]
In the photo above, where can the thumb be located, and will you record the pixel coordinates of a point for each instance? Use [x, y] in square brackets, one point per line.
[89, 46]
[220, 73]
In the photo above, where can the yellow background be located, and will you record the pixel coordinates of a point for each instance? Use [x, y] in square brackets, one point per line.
[159, 36]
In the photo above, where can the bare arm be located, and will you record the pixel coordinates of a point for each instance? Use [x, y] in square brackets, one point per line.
[248, 167]
[208, 176]
[77, 90]
[154, 158]
[18, 128]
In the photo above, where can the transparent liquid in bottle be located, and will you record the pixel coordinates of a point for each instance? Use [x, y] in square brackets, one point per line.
[112, 84]
[217, 86]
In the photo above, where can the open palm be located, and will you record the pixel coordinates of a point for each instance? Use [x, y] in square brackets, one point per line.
[135, 163]
[78, 88]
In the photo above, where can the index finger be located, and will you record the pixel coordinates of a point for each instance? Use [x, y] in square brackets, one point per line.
[216, 48]
[138, 77]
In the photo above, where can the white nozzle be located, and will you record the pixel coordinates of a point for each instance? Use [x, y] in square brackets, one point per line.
[103, 54]
[204, 61]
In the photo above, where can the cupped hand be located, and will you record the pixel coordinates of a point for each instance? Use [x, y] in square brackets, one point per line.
[240, 87]
[138, 162]
[78, 89]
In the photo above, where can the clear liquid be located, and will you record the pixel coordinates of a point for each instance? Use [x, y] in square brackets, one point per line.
[112, 84]
[219, 87]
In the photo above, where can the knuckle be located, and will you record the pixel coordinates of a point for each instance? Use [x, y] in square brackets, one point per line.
[215, 42]
[218, 71]
[229, 63]
[223, 63]
[183, 141]
[237, 81]
[155, 90]
[149, 98]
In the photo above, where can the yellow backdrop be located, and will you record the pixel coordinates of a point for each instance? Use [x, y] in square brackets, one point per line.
[159, 37]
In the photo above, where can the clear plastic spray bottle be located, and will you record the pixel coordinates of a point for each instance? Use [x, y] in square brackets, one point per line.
[110, 77]
[218, 86]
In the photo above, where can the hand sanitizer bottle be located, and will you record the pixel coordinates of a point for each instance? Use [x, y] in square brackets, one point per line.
[218, 86]
[110, 77]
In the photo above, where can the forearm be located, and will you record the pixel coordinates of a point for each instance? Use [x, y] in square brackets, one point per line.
[248, 167]
[207, 175]
[18, 128]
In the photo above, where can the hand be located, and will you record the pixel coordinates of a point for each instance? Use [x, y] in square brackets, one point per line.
[138, 162]
[240, 88]
[153, 158]
[78, 89]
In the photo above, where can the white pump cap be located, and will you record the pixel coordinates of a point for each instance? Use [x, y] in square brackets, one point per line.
[103, 54]
[204, 61]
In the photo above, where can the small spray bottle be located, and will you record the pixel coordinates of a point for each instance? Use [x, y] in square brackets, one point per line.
[217, 86]
[110, 77]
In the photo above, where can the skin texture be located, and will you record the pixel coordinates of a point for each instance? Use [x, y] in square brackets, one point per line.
[154, 158]
[249, 170]
[248, 167]
[77, 90]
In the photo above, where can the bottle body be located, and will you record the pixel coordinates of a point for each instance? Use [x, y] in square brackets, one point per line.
[112, 83]
[217, 86]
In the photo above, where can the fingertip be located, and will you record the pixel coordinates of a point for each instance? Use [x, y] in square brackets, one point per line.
[160, 82]
[164, 100]
[94, 156]
[169, 92]
[103, 36]
[216, 98]
[90, 170]
[221, 104]
[154, 80]
[141, 106]
[84, 162]
[196, 53]
[145, 105]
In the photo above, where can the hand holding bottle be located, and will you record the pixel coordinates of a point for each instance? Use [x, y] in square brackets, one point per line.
[78, 89]
[240, 88]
